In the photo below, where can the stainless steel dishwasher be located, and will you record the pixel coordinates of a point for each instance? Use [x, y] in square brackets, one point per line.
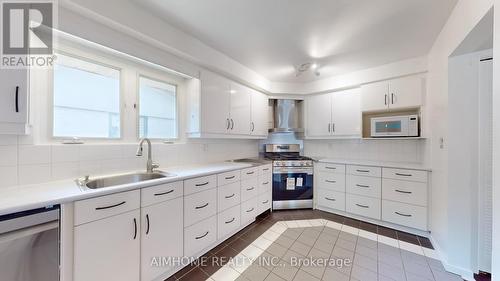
[29, 245]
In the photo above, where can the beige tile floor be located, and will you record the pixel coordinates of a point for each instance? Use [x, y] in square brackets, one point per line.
[320, 249]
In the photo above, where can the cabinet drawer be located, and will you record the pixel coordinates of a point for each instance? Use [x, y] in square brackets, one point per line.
[330, 168]
[365, 186]
[228, 221]
[199, 206]
[160, 193]
[106, 206]
[199, 184]
[266, 183]
[266, 169]
[249, 210]
[404, 214]
[229, 177]
[249, 188]
[250, 173]
[407, 175]
[330, 181]
[228, 196]
[265, 202]
[200, 236]
[409, 192]
[331, 199]
[364, 206]
[364, 171]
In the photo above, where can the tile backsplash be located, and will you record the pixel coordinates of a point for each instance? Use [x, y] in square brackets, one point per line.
[22, 164]
[408, 151]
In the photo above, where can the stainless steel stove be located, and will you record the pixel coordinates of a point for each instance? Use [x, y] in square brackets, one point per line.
[292, 177]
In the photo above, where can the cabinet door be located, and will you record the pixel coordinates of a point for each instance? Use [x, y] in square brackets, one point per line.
[108, 249]
[13, 109]
[346, 113]
[240, 110]
[406, 92]
[162, 236]
[375, 96]
[260, 105]
[319, 115]
[215, 96]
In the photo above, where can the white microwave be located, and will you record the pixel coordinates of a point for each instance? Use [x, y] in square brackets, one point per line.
[394, 126]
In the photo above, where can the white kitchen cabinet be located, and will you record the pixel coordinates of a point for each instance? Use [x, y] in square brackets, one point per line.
[108, 249]
[400, 93]
[162, 233]
[319, 115]
[260, 106]
[14, 101]
[346, 113]
[240, 110]
[335, 114]
[221, 108]
[215, 103]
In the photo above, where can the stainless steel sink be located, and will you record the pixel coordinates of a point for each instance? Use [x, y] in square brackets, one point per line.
[122, 179]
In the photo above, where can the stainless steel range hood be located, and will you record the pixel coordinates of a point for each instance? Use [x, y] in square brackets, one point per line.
[287, 115]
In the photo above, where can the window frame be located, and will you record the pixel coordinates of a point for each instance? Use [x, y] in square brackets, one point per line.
[94, 59]
[161, 77]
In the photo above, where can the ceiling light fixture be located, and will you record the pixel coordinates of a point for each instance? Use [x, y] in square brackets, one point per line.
[306, 67]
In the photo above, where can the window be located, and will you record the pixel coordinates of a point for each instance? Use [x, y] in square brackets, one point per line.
[158, 110]
[86, 99]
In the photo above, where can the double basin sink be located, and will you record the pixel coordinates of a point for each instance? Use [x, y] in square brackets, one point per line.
[104, 182]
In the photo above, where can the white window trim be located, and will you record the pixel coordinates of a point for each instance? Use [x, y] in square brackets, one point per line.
[162, 78]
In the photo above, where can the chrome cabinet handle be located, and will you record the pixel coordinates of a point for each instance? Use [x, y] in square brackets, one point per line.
[392, 98]
[250, 189]
[329, 128]
[330, 181]
[265, 169]
[385, 99]
[251, 210]
[363, 206]
[135, 228]
[265, 202]
[147, 224]
[402, 191]
[230, 178]
[331, 168]
[109, 207]
[17, 98]
[253, 127]
[265, 183]
[403, 215]
[363, 171]
[232, 124]
[228, 124]
[250, 173]
[404, 175]
[230, 221]
[201, 184]
[333, 127]
[230, 196]
[164, 193]
[330, 199]
[201, 207]
[360, 185]
[199, 237]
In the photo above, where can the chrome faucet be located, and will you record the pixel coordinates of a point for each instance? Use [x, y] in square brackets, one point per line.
[150, 166]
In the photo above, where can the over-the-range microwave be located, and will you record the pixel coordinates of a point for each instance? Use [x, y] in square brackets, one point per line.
[395, 126]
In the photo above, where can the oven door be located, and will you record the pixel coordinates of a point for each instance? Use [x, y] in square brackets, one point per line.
[292, 183]
[389, 127]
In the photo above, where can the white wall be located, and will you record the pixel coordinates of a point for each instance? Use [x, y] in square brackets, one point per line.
[405, 151]
[464, 17]
[496, 148]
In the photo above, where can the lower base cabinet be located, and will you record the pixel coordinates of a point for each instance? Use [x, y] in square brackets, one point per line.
[199, 236]
[108, 249]
[331, 199]
[404, 214]
[249, 210]
[228, 221]
[161, 236]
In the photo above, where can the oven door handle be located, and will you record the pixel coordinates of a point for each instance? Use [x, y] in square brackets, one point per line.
[281, 170]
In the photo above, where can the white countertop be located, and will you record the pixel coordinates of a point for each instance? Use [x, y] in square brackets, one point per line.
[21, 198]
[397, 165]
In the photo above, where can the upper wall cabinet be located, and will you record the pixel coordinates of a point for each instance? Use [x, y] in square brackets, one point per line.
[334, 115]
[14, 101]
[221, 108]
[401, 93]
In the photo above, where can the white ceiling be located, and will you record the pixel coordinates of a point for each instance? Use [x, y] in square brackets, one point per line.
[272, 36]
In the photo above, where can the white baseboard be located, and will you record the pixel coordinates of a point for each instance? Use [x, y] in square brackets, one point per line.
[466, 274]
